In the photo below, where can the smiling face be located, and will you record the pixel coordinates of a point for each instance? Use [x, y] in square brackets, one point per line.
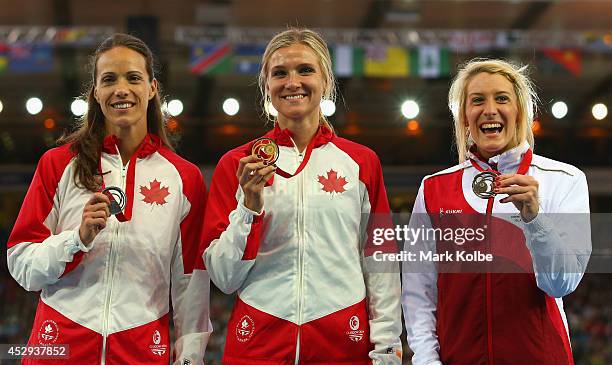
[123, 89]
[491, 111]
[295, 83]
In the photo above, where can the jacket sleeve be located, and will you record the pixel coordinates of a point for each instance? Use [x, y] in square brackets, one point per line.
[37, 254]
[420, 291]
[232, 232]
[190, 284]
[560, 240]
[382, 279]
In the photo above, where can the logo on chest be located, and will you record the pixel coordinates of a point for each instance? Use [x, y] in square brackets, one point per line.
[155, 193]
[332, 183]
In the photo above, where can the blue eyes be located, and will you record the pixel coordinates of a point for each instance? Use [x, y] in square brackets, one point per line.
[302, 71]
[500, 99]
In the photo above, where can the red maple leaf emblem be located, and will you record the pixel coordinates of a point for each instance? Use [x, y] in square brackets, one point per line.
[154, 194]
[332, 183]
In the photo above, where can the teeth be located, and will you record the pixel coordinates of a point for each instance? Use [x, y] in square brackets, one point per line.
[294, 97]
[491, 125]
[122, 106]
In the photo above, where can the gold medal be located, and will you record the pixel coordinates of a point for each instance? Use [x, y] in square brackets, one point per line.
[266, 149]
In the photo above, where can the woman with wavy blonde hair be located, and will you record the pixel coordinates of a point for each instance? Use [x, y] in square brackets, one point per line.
[506, 309]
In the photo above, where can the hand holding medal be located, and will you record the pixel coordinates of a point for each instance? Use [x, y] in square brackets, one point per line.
[522, 191]
[95, 215]
[255, 170]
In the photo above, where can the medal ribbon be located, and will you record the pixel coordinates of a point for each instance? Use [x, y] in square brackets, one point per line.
[309, 149]
[523, 166]
[129, 184]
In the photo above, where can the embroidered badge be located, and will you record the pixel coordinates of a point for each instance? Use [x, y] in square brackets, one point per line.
[155, 193]
[245, 329]
[332, 183]
[48, 332]
[355, 334]
[157, 348]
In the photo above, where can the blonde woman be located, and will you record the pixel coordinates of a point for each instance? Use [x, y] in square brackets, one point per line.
[508, 311]
[286, 235]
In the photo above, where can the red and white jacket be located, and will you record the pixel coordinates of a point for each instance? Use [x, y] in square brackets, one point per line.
[303, 294]
[109, 301]
[510, 314]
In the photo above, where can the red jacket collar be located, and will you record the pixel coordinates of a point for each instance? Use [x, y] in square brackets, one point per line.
[283, 136]
[150, 144]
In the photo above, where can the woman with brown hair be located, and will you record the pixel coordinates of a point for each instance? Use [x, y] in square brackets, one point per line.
[110, 227]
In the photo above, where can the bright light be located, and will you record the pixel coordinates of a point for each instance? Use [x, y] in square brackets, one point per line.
[328, 107]
[231, 106]
[78, 107]
[600, 111]
[34, 105]
[559, 109]
[410, 109]
[270, 109]
[1, 106]
[175, 107]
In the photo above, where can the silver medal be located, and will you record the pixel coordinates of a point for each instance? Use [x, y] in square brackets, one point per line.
[117, 199]
[483, 184]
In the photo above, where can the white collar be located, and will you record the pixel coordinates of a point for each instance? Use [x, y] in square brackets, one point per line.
[507, 162]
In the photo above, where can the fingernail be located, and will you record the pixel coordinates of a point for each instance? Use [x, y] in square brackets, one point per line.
[496, 190]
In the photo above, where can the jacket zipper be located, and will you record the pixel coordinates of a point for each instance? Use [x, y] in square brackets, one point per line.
[300, 225]
[112, 258]
[490, 202]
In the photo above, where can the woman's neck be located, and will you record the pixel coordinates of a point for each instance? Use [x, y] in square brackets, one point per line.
[303, 131]
[129, 140]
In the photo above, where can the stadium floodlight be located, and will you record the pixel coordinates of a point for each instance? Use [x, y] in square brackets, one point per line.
[559, 109]
[34, 105]
[231, 106]
[600, 111]
[410, 109]
[78, 107]
[175, 107]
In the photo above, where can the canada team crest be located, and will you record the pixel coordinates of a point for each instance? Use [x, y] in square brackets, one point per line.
[155, 193]
[332, 183]
[157, 347]
[245, 329]
[48, 332]
[355, 334]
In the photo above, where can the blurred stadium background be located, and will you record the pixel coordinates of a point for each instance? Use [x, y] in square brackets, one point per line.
[385, 53]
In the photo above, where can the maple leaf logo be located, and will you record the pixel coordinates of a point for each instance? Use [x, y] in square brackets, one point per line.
[154, 194]
[332, 183]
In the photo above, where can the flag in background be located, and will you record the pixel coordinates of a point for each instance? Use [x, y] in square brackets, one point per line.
[432, 61]
[211, 59]
[30, 58]
[247, 58]
[4, 58]
[386, 61]
[347, 60]
[570, 60]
